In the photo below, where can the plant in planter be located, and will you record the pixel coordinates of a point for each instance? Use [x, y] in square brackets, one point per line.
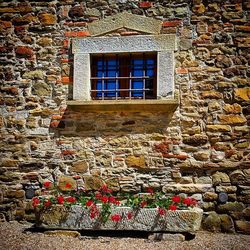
[101, 209]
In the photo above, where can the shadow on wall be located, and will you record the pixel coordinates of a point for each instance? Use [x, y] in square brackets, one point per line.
[86, 124]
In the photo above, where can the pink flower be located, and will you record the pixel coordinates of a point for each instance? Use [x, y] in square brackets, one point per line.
[47, 184]
[176, 199]
[35, 202]
[89, 203]
[172, 207]
[71, 199]
[161, 211]
[116, 217]
[60, 199]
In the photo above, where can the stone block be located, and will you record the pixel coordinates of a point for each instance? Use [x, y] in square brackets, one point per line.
[79, 167]
[243, 226]
[125, 20]
[76, 217]
[231, 207]
[227, 224]
[187, 188]
[24, 51]
[69, 233]
[242, 94]
[166, 237]
[232, 119]
[233, 109]
[196, 140]
[47, 19]
[218, 128]
[220, 178]
[212, 222]
[66, 183]
[136, 162]
[92, 183]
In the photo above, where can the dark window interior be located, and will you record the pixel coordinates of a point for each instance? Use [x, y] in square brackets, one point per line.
[123, 76]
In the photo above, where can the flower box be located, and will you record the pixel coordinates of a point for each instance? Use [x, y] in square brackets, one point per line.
[77, 217]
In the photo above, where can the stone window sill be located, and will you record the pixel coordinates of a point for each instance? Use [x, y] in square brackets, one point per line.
[163, 105]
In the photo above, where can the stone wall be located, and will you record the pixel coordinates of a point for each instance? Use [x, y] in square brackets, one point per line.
[202, 149]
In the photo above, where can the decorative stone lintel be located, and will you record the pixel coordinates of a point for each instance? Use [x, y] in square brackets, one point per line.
[146, 219]
[125, 20]
[129, 44]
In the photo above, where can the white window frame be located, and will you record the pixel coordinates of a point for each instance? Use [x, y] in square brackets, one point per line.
[164, 45]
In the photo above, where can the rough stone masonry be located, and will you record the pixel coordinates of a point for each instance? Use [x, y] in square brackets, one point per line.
[202, 149]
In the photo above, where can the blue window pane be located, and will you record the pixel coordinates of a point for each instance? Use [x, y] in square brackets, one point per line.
[149, 72]
[137, 84]
[150, 62]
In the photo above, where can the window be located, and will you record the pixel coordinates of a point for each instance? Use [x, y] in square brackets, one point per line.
[126, 67]
[123, 76]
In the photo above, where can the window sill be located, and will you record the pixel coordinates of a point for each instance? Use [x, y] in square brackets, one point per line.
[167, 105]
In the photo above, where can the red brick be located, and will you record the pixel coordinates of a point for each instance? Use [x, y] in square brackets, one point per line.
[242, 28]
[66, 80]
[47, 19]
[5, 24]
[24, 51]
[145, 4]
[76, 24]
[56, 117]
[129, 33]
[68, 152]
[171, 23]
[66, 60]
[181, 71]
[76, 33]
[180, 157]
[54, 124]
[66, 43]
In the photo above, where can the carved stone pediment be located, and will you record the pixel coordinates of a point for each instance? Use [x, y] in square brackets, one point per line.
[125, 20]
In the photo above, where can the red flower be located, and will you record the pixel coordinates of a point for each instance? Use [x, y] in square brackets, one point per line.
[150, 190]
[35, 202]
[117, 203]
[98, 196]
[68, 185]
[143, 204]
[47, 203]
[60, 199]
[105, 189]
[71, 199]
[176, 199]
[89, 203]
[92, 215]
[172, 207]
[93, 212]
[161, 211]
[47, 184]
[112, 199]
[129, 215]
[189, 201]
[116, 217]
[104, 199]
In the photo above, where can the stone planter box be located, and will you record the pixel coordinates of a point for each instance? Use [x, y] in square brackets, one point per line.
[145, 219]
